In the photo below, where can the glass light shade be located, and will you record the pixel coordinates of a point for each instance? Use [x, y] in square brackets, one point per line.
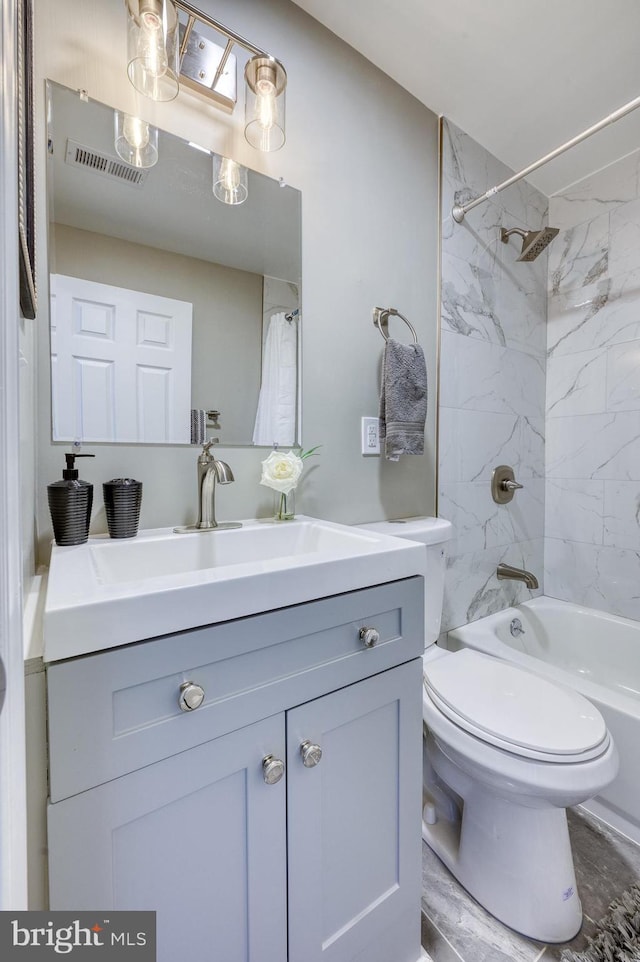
[265, 86]
[153, 47]
[136, 141]
[230, 180]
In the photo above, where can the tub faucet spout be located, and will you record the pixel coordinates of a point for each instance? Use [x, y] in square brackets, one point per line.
[508, 572]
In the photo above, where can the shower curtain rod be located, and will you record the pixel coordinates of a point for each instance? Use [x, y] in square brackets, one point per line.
[459, 210]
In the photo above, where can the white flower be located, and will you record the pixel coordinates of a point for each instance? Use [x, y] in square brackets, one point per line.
[281, 471]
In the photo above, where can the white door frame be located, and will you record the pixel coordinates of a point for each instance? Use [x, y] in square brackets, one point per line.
[13, 861]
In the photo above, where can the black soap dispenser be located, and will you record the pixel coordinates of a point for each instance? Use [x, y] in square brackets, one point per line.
[70, 502]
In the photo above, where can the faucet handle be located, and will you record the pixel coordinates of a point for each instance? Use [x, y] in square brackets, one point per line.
[207, 444]
[511, 486]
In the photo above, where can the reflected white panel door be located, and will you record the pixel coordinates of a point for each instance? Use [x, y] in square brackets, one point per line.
[120, 363]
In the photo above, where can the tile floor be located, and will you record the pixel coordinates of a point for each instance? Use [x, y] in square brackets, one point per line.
[456, 929]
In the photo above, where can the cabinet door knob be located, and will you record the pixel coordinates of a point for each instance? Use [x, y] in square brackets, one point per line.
[191, 696]
[369, 637]
[272, 769]
[311, 754]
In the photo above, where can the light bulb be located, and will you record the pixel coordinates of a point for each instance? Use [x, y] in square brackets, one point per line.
[265, 83]
[153, 48]
[136, 132]
[230, 181]
[266, 110]
[229, 174]
[136, 141]
[151, 44]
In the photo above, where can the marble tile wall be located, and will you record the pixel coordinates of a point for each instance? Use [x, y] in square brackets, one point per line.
[592, 548]
[492, 382]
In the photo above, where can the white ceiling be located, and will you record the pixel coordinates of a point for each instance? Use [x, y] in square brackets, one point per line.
[521, 78]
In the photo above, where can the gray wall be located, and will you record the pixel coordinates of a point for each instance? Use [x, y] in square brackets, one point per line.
[364, 154]
[592, 546]
[492, 383]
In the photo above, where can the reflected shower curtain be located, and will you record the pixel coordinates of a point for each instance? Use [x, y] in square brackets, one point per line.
[276, 415]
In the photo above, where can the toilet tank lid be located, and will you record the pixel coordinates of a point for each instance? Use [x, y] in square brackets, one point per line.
[425, 530]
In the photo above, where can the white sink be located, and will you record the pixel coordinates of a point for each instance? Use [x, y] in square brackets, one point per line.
[107, 592]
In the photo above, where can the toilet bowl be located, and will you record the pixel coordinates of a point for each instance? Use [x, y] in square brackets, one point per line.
[505, 752]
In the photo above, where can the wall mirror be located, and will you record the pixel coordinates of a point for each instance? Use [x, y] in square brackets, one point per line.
[165, 300]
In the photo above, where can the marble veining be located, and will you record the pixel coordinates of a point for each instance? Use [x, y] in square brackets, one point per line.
[576, 384]
[574, 509]
[570, 326]
[473, 589]
[492, 386]
[600, 576]
[482, 376]
[607, 189]
[579, 256]
[540, 369]
[592, 549]
[622, 377]
[621, 514]
[603, 446]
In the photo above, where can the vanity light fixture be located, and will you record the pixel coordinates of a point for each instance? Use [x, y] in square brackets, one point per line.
[153, 47]
[265, 86]
[136, 141]
[165, 50]
[230, 180]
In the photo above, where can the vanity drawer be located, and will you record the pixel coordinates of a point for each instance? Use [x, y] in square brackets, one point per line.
[116, 711]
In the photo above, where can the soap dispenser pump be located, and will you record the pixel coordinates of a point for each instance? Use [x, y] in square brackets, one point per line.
[70, 502]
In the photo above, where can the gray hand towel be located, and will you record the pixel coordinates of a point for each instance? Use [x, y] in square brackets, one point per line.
[403, 399]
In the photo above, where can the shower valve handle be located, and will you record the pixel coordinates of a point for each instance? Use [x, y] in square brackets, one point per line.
[504, 484]
[511, 486]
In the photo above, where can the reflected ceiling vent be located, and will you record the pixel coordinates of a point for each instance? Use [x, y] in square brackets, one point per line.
[102, 164]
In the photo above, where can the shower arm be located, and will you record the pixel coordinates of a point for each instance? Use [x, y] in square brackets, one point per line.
[459, 210]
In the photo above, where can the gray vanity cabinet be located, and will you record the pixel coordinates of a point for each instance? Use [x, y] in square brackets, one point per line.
[354, 832]
[199, 838]
[322, 863]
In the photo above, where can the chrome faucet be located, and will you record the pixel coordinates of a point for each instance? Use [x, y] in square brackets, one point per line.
[505, 572]
[210, 470]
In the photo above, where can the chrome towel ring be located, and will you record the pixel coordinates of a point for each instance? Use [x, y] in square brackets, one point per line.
[381, 317]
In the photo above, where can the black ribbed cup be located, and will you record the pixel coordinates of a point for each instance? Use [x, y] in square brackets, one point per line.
[122, 500]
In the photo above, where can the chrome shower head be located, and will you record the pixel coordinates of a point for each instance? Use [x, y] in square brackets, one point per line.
[533, 241]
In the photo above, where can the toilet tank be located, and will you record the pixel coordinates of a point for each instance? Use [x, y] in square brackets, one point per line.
[433, 533]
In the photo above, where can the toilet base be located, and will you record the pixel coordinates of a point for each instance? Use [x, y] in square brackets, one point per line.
[514, 860]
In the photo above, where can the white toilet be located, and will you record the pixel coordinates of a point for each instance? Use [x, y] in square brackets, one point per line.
[505, 752]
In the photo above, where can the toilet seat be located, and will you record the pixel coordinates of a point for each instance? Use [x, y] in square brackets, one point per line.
[513, 709]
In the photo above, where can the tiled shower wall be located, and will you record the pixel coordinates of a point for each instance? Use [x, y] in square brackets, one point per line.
[592, 551]
[492, 400]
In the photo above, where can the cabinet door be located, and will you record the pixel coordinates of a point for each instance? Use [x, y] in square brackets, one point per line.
[198, 837]
[355, 822]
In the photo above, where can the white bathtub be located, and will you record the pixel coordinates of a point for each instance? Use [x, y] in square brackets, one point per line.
[596, 654]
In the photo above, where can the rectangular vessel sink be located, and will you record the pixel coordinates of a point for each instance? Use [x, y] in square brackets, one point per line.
[117, 562]
[107, 593]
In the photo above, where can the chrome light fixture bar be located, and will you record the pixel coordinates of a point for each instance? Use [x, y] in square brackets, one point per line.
[204, 66]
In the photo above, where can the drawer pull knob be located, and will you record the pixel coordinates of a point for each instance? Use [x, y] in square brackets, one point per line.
[369, 637]
[272, 769]
[191, 696]
[311, 754]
